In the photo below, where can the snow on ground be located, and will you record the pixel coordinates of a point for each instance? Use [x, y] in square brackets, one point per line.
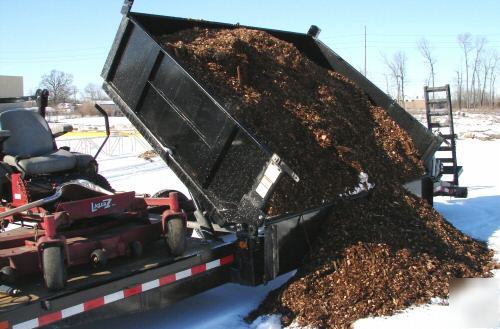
[225, 306]
[471, 125]
[140, 175]
[95, 122]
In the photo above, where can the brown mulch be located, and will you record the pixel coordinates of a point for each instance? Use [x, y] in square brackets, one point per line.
[374, 256]
[319, 122]
[377, 256]
[148, 155]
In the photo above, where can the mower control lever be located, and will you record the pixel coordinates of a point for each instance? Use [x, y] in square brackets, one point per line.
[106, 123]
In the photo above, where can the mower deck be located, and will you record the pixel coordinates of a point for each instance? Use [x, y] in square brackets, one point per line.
[82, 278]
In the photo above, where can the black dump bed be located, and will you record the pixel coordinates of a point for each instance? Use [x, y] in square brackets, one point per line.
[196, 135]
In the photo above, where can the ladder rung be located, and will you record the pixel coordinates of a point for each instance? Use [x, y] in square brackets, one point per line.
[434, 89]
[438, 125]
[448, 160]
[440, 113]
[438, 101]
[448, 170]
[445, 148]
[448, 136]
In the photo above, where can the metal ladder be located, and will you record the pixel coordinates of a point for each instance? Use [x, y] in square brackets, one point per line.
[440, 121]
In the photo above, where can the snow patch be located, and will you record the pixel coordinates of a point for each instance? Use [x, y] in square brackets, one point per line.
[267, 322]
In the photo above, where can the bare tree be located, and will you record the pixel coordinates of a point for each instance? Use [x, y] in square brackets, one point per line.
[394, 75]
[465, 41]
[459, 87]
[74, 90]
[397, 66]
[493, 75]
[59, 84]
[480, 42]
[426, 50]
[94, 92]
[486, 70]
[386, 77]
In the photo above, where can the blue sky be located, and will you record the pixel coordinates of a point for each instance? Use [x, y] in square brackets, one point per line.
[75, 36]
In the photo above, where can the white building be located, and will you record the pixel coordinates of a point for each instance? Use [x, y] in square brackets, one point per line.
[11, 86]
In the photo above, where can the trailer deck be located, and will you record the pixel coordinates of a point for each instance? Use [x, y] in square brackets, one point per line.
[89, 289]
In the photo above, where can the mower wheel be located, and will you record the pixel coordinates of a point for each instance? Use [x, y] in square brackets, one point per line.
[54, 270]
[98, 258]
[136, 248]
[176, 235]
[8, 274]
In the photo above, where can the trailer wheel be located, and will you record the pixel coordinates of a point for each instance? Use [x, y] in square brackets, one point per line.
[98, 258]
[54, 270]
[176, 235]
[8, 274]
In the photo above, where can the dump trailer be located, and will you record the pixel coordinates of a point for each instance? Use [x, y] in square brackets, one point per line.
[201, 142]
[196, 135]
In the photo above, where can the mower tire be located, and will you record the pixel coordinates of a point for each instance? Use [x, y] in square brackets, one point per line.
[98, 258]
[54, 270]
[176, 235]
[8, 274]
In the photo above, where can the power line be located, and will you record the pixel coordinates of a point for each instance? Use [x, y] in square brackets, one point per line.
[73, 59]
[408, 35]
[63, 50]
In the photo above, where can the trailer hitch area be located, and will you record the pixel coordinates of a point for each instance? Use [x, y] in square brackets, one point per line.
[248, 265]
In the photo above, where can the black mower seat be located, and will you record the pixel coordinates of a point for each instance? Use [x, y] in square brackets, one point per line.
[59, 160]
[31, 148]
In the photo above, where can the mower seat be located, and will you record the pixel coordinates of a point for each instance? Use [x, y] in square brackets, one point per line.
[31, 148]
[60, 160]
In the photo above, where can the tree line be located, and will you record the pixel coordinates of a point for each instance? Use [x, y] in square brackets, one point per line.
[475, 79]
[62, 90]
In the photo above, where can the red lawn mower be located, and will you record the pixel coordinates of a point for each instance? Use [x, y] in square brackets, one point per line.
[67, 213]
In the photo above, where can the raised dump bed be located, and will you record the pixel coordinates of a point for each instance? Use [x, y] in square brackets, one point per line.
[196, 135]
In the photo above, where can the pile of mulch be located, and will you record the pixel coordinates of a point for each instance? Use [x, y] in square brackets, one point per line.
[318, 121]
[374, 256]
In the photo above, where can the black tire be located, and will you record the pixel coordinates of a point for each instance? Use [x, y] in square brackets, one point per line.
[98, 258]
[176, 236]
[8, 274]
[54, 270]
[101, 181]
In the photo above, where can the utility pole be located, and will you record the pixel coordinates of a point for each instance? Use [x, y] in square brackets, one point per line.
[365, 50]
